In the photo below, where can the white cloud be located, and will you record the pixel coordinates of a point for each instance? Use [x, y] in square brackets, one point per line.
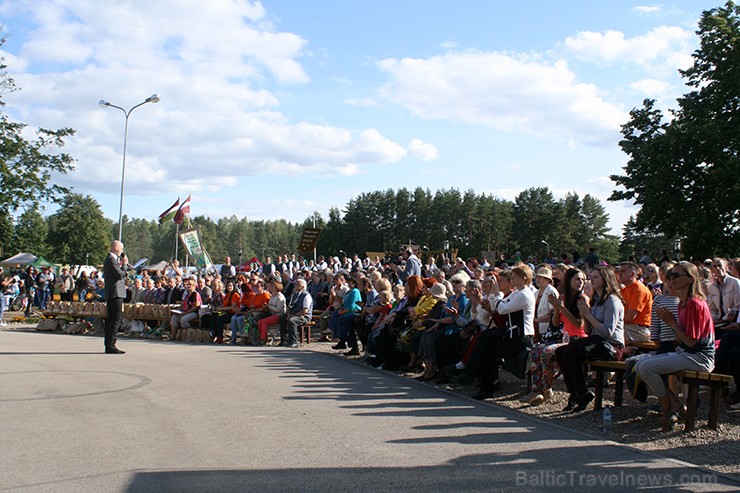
[214, 69]
[663, 47]
[651, 87]
[647, 9]
[517, 93]
[423, 151]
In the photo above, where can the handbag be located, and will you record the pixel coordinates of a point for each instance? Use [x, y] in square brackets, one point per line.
[554, 335]
[596, 347]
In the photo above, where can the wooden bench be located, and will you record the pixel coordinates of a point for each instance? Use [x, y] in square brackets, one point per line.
[715, 381]
[304, 332]
[644, 346]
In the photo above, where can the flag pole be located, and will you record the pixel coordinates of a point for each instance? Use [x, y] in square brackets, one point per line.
[177, 237]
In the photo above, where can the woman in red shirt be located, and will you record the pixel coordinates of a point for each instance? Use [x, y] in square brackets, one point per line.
[694, 331]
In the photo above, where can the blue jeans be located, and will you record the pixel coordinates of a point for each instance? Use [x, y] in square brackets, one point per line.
[43, 298]
[237, 322]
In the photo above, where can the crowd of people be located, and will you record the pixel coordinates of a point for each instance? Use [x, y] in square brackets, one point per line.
[459, 320]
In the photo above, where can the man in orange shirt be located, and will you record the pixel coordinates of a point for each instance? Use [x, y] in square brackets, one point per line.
[638, 304]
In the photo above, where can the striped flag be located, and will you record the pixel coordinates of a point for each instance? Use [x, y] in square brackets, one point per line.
[183, 211]
[169, 214]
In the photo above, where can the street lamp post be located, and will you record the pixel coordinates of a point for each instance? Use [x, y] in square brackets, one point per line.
[105, 104]
[548, 247]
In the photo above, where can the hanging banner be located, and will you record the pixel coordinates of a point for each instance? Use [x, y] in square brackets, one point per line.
[191, 241]
[309, 239]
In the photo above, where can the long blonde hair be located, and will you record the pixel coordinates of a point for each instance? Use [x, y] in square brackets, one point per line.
[696, 289]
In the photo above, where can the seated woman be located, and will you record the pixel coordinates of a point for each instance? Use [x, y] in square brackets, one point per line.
[237, 318]
[442, 332]
[543, 308]
[189, 310]
[345, 318]
[276, 308]
[653, 280]
[409, 338]
[694, 331]
[605, 339]
[384, 306]
[229, 305]
[213, 310]
[398, 319]
[543, 366]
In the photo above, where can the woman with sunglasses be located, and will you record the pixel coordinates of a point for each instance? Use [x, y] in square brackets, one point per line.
[694, 331]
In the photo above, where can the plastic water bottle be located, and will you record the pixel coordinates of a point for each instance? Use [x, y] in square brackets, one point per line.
[606, 416]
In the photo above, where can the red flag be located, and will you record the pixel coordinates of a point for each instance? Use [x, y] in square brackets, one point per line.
[170, 213]
[183, 211]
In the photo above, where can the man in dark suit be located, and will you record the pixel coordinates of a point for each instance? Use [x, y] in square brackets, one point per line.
[114, 273]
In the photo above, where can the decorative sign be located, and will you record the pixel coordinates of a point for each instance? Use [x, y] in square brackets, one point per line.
[309, 238]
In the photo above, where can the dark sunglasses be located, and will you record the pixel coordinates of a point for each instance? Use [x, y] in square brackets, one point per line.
[675, 275]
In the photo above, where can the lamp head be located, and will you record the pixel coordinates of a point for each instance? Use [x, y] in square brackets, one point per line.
[104, 103]
[154, 98]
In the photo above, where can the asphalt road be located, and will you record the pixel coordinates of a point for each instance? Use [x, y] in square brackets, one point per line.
[178, 417]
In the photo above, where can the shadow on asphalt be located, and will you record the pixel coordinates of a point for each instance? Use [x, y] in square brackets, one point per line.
[366, 391]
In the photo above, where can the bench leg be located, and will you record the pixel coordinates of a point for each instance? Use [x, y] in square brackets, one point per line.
[691, 406]
[598, 400]
[307, 330]
[618, 388]
[714, 397]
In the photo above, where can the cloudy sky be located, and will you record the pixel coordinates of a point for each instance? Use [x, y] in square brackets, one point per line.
[278, 108]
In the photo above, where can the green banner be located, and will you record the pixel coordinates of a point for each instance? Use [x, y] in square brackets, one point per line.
[191, 241]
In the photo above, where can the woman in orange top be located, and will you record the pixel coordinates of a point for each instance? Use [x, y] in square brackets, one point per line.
[222, 314]
[544, 366]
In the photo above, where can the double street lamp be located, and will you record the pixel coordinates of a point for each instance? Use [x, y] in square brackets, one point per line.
[105, 104]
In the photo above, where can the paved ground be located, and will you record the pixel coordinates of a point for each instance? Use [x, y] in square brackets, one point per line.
[177, 417]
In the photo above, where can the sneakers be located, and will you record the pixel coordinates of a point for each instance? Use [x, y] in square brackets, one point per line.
[340, 345]
[352, 352]
[735, 406]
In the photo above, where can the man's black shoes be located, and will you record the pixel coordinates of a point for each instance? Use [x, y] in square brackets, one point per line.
[114, 350]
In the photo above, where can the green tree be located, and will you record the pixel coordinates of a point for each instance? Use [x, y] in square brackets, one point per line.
[6, 235]
[29, 234]
[536, 218]
[26, 166]
[79, 231]
[683, 172]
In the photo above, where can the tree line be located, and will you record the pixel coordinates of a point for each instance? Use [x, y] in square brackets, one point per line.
[79, 233]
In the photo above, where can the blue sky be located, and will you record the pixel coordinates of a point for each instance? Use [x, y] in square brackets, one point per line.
[275, 109]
